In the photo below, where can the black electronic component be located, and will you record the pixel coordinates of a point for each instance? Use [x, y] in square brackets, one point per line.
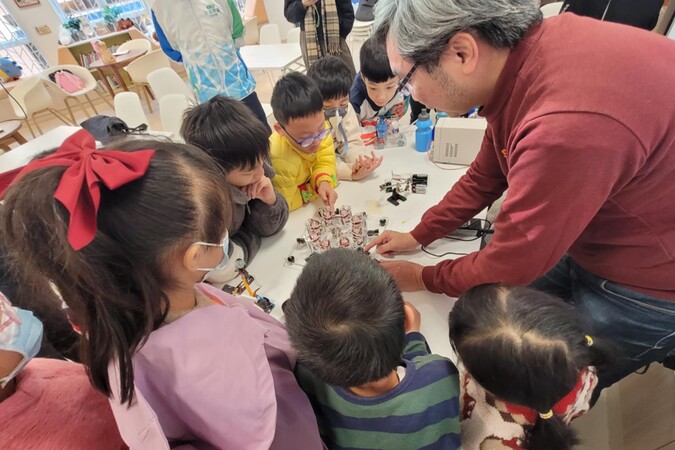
[291, 259]
[264, 303]
[300, 240]
[383, 222]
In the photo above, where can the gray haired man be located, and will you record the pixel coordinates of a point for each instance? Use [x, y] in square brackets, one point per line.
[579, 132]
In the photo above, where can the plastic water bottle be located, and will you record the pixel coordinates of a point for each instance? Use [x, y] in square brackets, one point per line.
[381, 131]
[423, 132]
[439, 115]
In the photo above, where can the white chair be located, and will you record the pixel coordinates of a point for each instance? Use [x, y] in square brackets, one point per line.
[293, 36]
[552, 9]
[171, 110]
[128, 107]
[361, 31]
[167, 81]
[139, 70]
[135, 44]
[90, 85]
[32, 98]
[269, 34]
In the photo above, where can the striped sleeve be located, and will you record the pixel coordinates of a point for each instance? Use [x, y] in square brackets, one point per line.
[421, 412]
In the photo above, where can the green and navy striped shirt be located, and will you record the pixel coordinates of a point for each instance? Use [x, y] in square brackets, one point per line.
[422, 412]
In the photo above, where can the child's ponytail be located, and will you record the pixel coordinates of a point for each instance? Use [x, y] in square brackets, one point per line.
[550, 434]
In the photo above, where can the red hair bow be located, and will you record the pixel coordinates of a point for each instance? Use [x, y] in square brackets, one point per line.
[79, 189]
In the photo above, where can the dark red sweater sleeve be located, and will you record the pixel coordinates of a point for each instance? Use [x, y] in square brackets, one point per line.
[562, 169]
[482, 184]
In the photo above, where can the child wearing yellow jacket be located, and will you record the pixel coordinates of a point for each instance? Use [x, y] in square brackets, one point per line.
[301, 148]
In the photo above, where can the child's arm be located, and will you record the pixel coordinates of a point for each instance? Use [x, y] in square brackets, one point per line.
[358, 94]
[324, 172]
[324, 169]
[415, 344]
[295, 195]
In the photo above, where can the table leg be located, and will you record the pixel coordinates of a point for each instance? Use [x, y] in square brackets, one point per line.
[105, 83]
[18, 138]
[120, 80]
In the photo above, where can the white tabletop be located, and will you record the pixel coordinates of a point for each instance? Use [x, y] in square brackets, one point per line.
[270, 56]
[22, 154]
[277, 280]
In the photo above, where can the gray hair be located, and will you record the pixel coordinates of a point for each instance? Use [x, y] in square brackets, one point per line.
[423, 28]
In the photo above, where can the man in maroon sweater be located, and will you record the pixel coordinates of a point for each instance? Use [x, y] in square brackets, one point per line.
[581, 129]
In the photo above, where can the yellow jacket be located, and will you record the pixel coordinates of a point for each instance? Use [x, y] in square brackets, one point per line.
[298, 174]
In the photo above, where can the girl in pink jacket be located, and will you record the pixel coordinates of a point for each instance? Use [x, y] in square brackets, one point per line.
[127, 236]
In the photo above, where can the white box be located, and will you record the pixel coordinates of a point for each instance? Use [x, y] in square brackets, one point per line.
[458, 140]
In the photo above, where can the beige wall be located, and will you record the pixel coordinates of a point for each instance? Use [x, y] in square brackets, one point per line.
[35, 16]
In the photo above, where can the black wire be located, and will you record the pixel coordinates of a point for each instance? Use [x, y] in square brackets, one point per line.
[424, 249]
[15, 100]
[486, 228]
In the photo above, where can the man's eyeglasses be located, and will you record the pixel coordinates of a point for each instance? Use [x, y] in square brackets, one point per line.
[308, 141]
[404, 86]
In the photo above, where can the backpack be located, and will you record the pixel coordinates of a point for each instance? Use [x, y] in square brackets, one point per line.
[106, 128]
[67, 81]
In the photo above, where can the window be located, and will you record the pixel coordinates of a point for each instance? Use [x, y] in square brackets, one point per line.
[16, 45]
[94, 14]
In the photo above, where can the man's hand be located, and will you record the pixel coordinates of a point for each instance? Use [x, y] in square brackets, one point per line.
[327, 194]
[262, 190]
[393, 241]
[408, 275]
[413, 319]
[365, 165]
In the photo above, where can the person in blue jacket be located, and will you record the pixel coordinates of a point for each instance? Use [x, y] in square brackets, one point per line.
[205, 35]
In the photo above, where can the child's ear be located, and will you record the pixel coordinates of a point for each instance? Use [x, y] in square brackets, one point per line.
[191, 258]
[278, 128]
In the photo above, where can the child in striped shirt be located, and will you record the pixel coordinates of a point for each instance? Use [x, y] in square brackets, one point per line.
[367, 370]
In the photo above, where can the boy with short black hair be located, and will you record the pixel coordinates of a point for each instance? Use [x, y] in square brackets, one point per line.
[375, 89]
[334, 80]
[362, 361]
[301, 146]
[234, 137]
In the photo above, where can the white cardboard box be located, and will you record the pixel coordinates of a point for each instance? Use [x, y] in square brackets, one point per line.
[457, 140]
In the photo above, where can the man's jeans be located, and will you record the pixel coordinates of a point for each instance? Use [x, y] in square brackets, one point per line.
[641, 327]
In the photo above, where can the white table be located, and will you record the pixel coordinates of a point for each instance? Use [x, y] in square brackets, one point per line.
[278, 280]
[22, 155]
[270, 57]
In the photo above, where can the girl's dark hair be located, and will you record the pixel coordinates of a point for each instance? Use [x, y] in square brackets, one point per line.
[228, 131]
[375, 62]
[115, 286]
[525, 347]
[345, 318]
[333, 77]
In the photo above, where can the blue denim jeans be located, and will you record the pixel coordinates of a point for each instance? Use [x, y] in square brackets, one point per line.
[641, 327]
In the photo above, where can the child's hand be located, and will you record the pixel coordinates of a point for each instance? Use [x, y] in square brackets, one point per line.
[327, 194]
[365, 165]
[262, 190]
[413, 319]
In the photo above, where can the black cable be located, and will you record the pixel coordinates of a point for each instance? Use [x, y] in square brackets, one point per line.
[424, 249]
[15, 100]
[484, 230]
